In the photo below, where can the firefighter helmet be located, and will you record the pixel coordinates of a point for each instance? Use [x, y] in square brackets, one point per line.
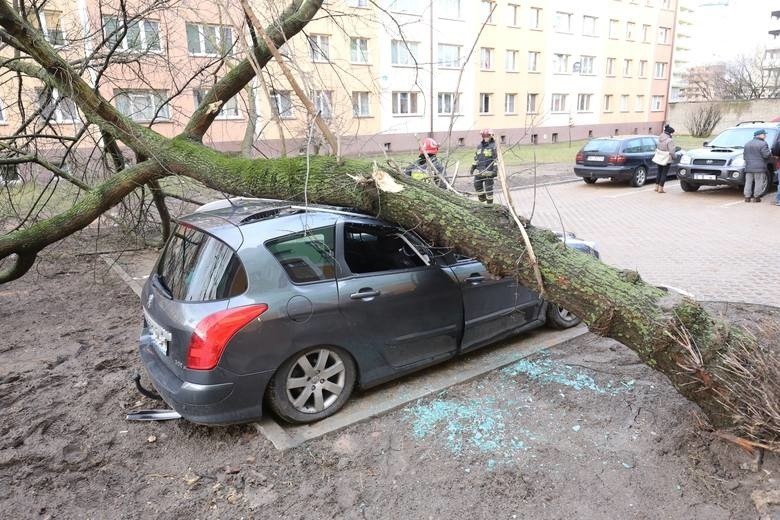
[429, 146]
[487, 132]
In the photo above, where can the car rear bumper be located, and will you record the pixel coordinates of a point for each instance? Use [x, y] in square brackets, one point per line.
[709, 175]
[236, 401]
[620, 173]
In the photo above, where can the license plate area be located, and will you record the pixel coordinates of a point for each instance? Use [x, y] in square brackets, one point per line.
[595, 158]
[704, 177]
[160, 336]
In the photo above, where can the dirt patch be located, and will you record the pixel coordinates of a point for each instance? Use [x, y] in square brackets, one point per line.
[583, 430]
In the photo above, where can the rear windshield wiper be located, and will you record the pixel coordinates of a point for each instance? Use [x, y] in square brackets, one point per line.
[159, 281]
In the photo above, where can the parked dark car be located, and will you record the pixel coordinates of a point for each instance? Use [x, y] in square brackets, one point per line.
[619, 158]
[264, 302]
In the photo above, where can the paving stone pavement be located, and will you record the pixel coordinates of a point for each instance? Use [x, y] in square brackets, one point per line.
[709, 243]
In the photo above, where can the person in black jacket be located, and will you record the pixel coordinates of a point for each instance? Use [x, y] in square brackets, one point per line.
[428, 164]
[485, 167]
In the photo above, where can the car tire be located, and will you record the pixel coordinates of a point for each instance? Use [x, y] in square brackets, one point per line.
[589, 180]
[687, 186]
[559, 318]
[639, 178]
[299, 403]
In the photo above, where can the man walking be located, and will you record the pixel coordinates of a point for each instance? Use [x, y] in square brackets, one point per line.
[485, 167]
[756, 153]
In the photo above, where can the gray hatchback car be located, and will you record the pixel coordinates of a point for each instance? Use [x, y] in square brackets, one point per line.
[260, 302]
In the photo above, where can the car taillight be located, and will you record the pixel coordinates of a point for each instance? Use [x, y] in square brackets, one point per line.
[580, 157]
[213, 332]
[777, 163]
[616, 159]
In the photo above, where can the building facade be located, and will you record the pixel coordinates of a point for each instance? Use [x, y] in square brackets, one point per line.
[382, 74]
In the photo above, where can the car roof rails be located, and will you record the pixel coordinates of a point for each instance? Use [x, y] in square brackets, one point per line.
[749, 122]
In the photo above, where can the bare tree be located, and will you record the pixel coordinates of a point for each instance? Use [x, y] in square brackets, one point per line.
[707, 360]
[703, 119]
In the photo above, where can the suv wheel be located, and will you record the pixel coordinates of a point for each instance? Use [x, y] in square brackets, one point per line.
[640, 177]
[589, 180]
[312, 384]
[560, 318]
[687, 186]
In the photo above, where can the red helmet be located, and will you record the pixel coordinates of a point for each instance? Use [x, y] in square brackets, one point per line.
[429, 146]
[487, 132]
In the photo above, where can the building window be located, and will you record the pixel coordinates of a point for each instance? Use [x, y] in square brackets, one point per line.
[660, 70]
[530, 103]
[583, 102]
[209, 40]
[630, 28]
[624, 103]
[561, 63]
[360, 104]
[607, 102]
[562, 22]
[646, 33]
[139, 36]
[485, 103]
[640, 103]
[510, 61]
[402, 53]
[486, 58]
[55, 107]
[323, 102]
[666, 4]
[589, 25]
[449, 8]
[357, 3]
[404, 6]
[613, 28]
[514, 15]
[228, 111]
[664, 33]
[449, 56]
[627, 66]
[405, 103]
[610, 67]
[143, 105]
[50, 24]
[586, 64]
[554, 137]
[448, 103]
[656, 103]
[487, 10]
[509, 103]
[358, 50]
[642, 68]
[319, 48]
[558, 103]
[2, 114]
[535, 18]
[533, 61]
[281, 104]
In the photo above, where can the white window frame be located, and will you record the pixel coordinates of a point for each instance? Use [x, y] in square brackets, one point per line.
[155, 98]
[663, 34]
[561, 63]
[646, 33]
[532, 103]
[202, 39]
[628, 65]
[558, 103]
[624, 102]
[587, 65]
[510, 103]
[450, 8]
[485, 103]
[486, 58]
[511, 60]
[639, 104]
[486, 6]
[535, 18]
[533, 61]
[319, 48]
[584, 102]
[513, 14]
[562, 22]
[323, 102]
[277, 97]
[446, 53]
[608, 102]
[656, 103]
[47, 32]
[405, 6]
[358, 50]
[589, 25]
[408, 98]
[660, 70]
[612, 30]
[229, 110]
[361, 104]
[642, 69]
[445, 100]
[143, 38]
[58, 115]
[610, 67]
[402, 53]
[357, 3]
[630, 28]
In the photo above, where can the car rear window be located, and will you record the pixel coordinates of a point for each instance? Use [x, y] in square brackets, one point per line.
[197, 267]
[308, 256]
[607, 146]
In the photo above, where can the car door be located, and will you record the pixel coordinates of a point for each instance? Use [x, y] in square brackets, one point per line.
[632, 150]
[649, 145]
[491, 306]
[401, 307]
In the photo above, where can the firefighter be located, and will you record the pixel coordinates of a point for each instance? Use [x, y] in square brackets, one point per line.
[420, 169]
[485, 167]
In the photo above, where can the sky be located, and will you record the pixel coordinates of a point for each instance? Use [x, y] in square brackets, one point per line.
[723, 29]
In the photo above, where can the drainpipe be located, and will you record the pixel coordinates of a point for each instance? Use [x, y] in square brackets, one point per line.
[671, 65]
[430, 34]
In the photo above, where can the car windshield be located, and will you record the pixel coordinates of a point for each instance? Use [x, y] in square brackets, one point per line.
[738, 137]
[197, 267]
[607, 146]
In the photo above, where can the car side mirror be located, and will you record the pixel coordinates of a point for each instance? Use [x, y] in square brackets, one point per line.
[706, 143]
[677, 148]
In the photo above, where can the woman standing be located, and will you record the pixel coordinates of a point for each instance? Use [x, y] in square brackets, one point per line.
[665, 144]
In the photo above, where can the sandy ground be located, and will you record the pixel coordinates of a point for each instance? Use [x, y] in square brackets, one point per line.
[583, 431]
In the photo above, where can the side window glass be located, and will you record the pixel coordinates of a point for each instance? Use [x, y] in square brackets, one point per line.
[633, 146]
[648, 144]
[307, 256]
[371, 249]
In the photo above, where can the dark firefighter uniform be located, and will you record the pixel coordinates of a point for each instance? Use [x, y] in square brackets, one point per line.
[485, 169]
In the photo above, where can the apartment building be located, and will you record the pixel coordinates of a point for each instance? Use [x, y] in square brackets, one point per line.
[384, 74]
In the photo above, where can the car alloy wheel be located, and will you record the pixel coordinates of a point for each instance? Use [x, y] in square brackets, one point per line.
[560, 318]
[312, 384]
[640, 177]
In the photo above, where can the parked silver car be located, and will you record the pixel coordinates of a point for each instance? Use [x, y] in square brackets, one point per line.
[264, 302]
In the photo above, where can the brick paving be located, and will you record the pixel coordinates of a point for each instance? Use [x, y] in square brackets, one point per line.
[709, 243]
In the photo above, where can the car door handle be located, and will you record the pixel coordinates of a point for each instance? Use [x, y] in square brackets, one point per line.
[475, 279]
[365, 294]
